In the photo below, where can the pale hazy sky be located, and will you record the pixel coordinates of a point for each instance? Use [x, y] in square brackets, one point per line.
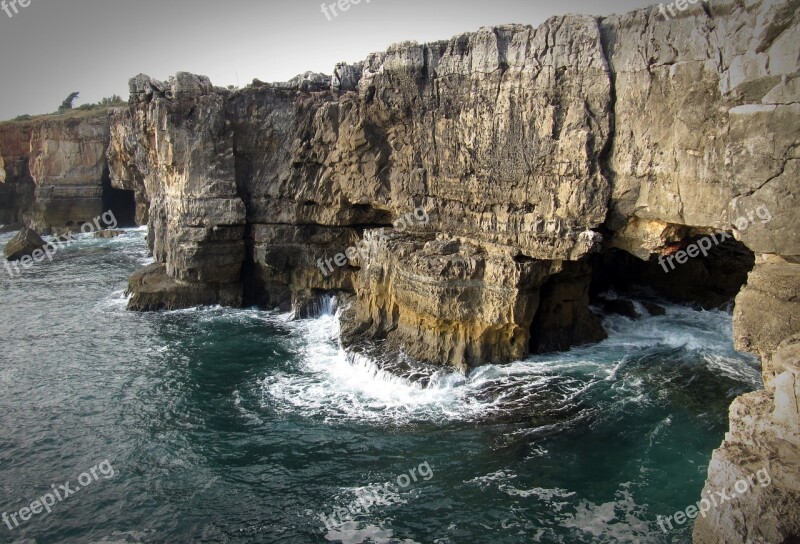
[54, 47]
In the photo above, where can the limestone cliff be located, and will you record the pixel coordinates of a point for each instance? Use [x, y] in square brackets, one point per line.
[538, 155]
[67, 159]
[764, 425]
[707, 113]
[56, 171]
[499, 135]
[175, 147]
[16, 185]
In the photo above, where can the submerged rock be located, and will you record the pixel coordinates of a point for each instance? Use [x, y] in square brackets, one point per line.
[23, 244]
[654, 309]
[621, 307]
[108, 233]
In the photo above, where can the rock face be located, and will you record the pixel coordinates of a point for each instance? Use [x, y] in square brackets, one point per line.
[462, 303]
[474, 130]
[706, 115]
[153, 289]
[56, 172]
[707, 108]
[23, 244]
[66, 163]
[177, 148]
[16, 185]
[545, 161]
[765, 425]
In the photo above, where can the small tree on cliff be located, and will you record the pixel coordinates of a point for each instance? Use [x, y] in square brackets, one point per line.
[66, 105]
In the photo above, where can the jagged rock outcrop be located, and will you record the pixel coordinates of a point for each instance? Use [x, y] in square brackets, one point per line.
[498, 134]
[307, 82]
[56, 172]
[765, 425]
[177, 149]
[462, 302]
[346, 76]
[155, 290]
[706, 113]
[505, 136]
[451, 127]
[707, 109]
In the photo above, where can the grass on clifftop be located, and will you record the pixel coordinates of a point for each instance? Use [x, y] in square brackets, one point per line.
[81, 112]
[71, 114]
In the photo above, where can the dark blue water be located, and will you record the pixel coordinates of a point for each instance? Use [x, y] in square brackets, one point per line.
[242, 426]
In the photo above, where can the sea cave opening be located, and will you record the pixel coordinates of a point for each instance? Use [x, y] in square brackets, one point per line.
[120, 202]
[566, 314]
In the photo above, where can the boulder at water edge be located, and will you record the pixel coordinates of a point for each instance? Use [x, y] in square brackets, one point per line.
[24, 243]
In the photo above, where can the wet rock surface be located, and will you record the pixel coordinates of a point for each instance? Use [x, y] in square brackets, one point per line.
[152, 289]
[23, 244]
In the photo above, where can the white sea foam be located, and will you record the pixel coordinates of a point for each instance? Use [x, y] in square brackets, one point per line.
[354, 532]
[337, 386]
[621, 520]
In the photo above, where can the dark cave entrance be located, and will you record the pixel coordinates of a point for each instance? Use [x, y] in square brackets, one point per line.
[564, 320]
[711, 281]
[119, 201]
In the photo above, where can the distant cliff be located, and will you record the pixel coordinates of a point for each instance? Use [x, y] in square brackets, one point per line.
[16, 185]
[56, 171]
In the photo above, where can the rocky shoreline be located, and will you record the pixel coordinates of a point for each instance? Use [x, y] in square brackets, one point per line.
[552, 162]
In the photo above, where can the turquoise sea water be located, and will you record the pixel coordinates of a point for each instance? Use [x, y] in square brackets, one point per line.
[242, 426]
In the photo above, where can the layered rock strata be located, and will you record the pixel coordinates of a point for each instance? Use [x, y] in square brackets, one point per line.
[16, 185]
[55, 172]
[67, 161]
[707, 109]
[498, 134]
[176, 148]
[764, 430]
[23, 244]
